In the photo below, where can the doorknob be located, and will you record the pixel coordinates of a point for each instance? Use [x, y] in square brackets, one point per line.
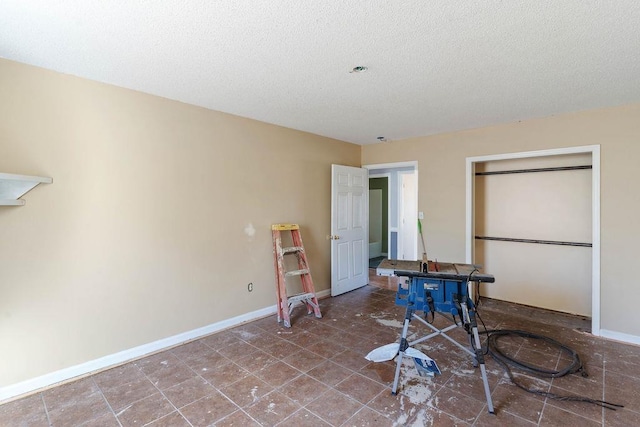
[333, 237]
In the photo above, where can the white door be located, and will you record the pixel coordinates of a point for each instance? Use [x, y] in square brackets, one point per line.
[349, 228]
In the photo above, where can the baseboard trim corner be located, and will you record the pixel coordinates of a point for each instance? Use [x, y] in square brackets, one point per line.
[620, 336]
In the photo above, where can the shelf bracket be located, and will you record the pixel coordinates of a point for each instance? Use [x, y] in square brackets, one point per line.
[12, 187]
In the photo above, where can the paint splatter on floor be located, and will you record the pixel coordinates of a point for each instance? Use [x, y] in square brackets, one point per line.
[391, 323]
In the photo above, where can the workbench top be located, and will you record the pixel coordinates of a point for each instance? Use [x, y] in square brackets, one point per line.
[388, 267]
[435, 270]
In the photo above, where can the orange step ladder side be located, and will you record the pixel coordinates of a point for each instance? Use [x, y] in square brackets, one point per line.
[279, 270]
[307, 281]
[308, 297]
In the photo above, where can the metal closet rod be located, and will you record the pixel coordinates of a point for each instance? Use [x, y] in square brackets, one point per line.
[554, 169]
[540, 242]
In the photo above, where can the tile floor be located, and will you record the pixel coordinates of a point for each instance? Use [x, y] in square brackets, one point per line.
[315, 374]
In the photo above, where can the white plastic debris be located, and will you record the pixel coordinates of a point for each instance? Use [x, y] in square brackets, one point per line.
[412, 352]
[384, 353]
[425, 365]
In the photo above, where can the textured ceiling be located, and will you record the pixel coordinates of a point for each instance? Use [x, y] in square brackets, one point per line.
[434, 66]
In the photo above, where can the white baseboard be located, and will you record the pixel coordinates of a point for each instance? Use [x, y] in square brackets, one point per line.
[321, 294]
[93, 366]
[619, 336]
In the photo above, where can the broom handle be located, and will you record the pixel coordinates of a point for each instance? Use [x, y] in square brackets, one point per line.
[424, 248]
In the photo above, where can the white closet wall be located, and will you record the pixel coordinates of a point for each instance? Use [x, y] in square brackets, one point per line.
[547, 206]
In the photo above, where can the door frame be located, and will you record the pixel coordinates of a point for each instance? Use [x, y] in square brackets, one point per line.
[386, 175]
[594, 150]
[397, 165]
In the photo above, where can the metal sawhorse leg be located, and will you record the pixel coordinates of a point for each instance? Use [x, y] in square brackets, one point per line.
[469, 322]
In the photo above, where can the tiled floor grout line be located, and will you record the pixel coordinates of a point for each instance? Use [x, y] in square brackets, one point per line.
[130, 404]
[428, 403]
[219, 391]
[278, 389]
[362, 409]
[174, 407]
[230, 400]
[366, 405]
[544, 406]
[319, 415]
[44, 405]
[106, 401]
[373, 409]
[244, 412]
[515, 415]
[301, 408]
[163, 395]
[604, 381]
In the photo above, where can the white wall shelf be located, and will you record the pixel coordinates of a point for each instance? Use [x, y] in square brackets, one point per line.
[12, 187]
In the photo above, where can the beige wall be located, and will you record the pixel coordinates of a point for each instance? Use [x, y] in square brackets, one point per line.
[142, 236]
[441, 192]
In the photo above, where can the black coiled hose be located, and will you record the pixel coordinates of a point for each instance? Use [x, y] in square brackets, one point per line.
[507, 362]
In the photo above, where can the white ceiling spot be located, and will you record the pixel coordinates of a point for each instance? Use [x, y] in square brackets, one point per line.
[440, 66]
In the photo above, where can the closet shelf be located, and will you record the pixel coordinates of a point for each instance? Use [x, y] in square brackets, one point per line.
[12, 187]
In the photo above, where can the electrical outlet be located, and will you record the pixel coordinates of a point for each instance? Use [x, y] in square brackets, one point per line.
[420, 215]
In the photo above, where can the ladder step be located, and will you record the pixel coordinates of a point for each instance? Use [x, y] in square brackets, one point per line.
[285, 227]
[300, 297]
[292, 250]
[296, 272]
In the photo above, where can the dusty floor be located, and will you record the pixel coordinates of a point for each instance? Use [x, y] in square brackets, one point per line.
[315, 374]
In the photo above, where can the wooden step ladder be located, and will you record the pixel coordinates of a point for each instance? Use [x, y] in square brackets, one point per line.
[286, 303]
